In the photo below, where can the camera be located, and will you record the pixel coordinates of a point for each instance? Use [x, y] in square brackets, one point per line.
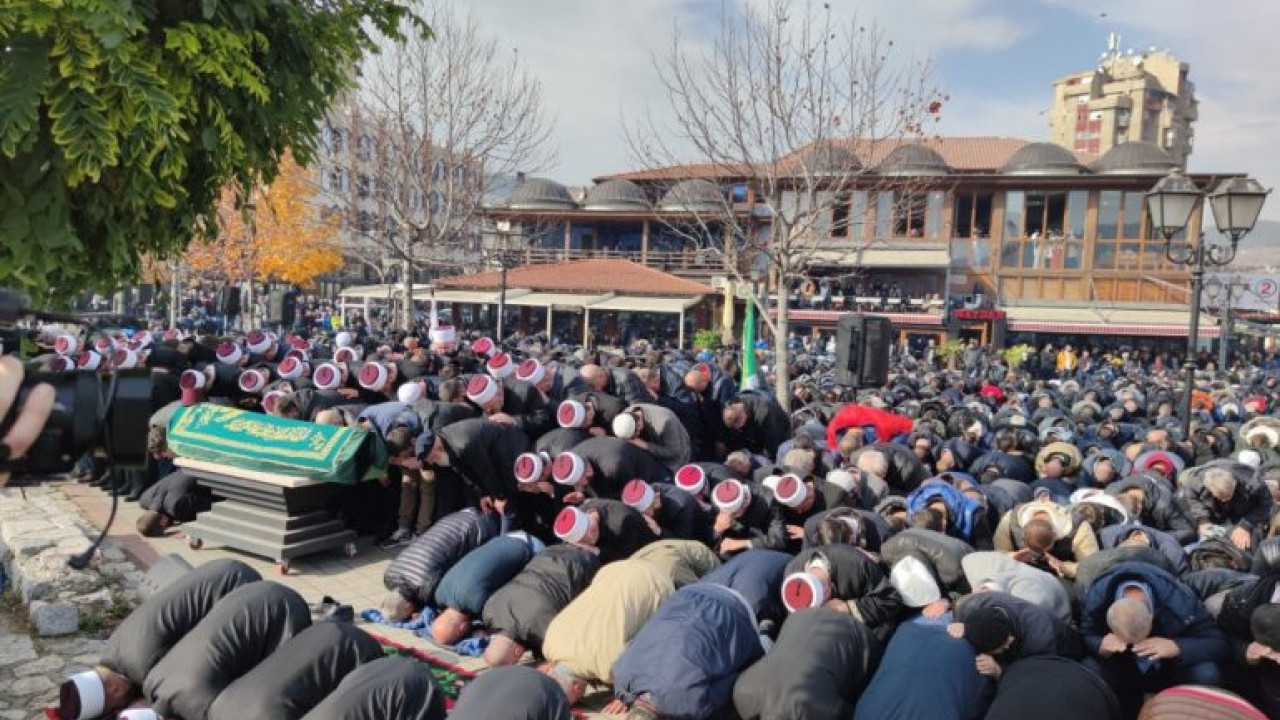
[92, 410]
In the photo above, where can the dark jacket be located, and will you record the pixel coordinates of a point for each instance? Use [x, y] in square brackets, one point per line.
[762, 523]
[524, 607]
[757, 576]
[241, 631]
[1161, 509]
[815, 671]
[386, 416]
[468, 585]
[391, 687]
[1179, 614]
[681, 517]
[925, 675]
[418, 568]
[1035, 629]
[484, 455]
[688, 655]
[560, 440]
[177, 495]
[1112, 535]
[526, 406]
[1014, 467]
[616, 462]
[944, 553]
[514, 692]
[1249, 507]
[149, 632]
[1052, 688]
[295, 679]
[860, 582]
[623, 530]
[438, 415]
[767, 426]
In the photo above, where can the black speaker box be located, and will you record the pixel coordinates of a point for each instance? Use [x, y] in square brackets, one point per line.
[863, 343]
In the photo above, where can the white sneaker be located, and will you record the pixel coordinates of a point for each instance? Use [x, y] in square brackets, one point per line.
[400, 537]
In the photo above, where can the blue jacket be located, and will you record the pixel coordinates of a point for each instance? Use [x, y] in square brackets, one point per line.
[688, 656]
[388, 415]
[925, 675]
[1179, 614]
[757, 576]
[962, 512]
[469, 583]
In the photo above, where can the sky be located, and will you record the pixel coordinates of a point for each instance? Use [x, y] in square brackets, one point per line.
[996, 59]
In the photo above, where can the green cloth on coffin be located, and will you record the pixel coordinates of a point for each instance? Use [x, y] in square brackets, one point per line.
[253, 441]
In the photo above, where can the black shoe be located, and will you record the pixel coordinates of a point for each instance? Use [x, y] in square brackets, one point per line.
[340, 613]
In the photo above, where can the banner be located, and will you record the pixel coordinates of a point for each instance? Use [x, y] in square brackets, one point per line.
[750, 379]
[1253, 292]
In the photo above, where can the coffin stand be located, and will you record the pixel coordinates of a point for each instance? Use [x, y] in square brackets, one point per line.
[279, 517]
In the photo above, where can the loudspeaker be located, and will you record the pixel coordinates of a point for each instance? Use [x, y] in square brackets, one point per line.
[275, 307]
[998, 330]
[863, 343]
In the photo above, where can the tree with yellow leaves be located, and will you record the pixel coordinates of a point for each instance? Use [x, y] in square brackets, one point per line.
[274, 232]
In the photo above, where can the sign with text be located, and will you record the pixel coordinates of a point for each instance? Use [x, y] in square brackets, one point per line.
[1251, 291]
[983, 315]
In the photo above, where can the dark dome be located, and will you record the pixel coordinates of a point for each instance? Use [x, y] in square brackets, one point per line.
[913, 160]
[615, 196]
[1042, 159]
[830, 159]
[540, 194]
[693, 196]
[1135, 158]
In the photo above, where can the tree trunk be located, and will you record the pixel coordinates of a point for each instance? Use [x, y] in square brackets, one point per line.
[174, 268]
[248, 314]
[406, 309]
[782, 352]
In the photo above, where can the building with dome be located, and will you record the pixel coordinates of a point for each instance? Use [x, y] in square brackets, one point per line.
[995, 239]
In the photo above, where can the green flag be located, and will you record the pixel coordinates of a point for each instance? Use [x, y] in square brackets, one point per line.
[749, 378]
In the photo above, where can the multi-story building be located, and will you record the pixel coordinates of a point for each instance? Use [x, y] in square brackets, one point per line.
[995, 239]
[1128, 97]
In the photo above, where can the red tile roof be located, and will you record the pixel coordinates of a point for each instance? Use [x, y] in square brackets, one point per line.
[962, 154]
[585, 276]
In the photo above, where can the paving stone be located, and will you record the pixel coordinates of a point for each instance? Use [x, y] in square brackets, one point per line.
[54, 619]
[15, 648]
[28, 686]
[43, 666]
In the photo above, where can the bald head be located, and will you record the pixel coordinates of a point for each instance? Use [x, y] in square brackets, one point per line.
[1129, 619]
[1038, 535]
[875, 463]
[696, 381]
[594, 376]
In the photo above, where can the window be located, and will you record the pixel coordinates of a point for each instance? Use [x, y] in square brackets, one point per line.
[364, 186]
[933, 213]
[1125, 239]
[1044, 229]
[365, 148]
[1109, 215]
[336, 180]
[884, 214]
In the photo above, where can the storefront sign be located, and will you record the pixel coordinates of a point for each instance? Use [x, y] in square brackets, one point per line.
[983, 315]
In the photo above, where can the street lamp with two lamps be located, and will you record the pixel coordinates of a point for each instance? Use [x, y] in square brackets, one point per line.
[1236, 204]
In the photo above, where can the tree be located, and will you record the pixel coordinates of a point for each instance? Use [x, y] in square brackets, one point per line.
[418, 146]
[121, 123]
[784, 102]
[272, 232]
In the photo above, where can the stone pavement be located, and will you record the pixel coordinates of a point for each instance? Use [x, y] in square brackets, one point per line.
[32, 668]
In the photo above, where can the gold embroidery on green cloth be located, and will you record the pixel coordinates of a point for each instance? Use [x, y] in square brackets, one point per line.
[316, 448]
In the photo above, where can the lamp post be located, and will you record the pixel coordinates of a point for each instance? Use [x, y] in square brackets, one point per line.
[504, 230]
[1236, 204]
[1226, 293]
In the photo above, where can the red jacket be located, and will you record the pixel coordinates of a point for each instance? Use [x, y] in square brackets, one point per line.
[888, 425]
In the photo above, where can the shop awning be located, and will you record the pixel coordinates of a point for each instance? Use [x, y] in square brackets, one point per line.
[640, 303]
[896, 257]
[833, 316]
[575, 301]
[470, 297]
[376, 292]
[1153, 322]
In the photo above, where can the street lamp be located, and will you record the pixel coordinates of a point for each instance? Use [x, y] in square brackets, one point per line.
[504, 230]
[1236, 204]
[1226, 293]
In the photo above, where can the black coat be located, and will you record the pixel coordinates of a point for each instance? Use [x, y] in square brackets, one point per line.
[150, 631]
[767, 426]
[526, 405]
[1161, 509]
[241, 631]
[437, 415]
[860, 582]
[303, 672]
[944, 552]
[757, 576]
[418, 568]
[484, 455]
[523, 608]
[511, 693]
[681, 517]
[177, 495]
[561, 440]
[1052, 688]
[616, 462]
[815, 671]
[391, 687]
[623, 530]
[1035, 630]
